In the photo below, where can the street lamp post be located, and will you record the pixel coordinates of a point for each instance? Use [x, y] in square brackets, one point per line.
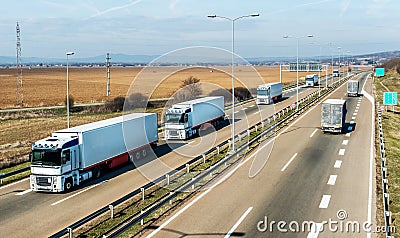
[297, 66]
[68, 54]
[232, 67]
[339, 49]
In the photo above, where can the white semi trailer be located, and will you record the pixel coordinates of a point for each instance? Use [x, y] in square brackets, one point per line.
[311, 80]
[269, 93]
[352, 88]
[333, 115]
[76, 154]
[184, 120]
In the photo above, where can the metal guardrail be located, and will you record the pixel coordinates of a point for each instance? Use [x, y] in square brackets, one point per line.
[304, 102]
[385, 182]
[6, 175]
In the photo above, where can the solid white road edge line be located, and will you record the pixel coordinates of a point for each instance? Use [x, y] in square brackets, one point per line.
[290, 161]
[233, 170]
[371, 156]
[325, 201]
[332, 179]
[312, 134]
[24, 192]
[11, 184]
[73, 195]
[238, 222]
[315, 229]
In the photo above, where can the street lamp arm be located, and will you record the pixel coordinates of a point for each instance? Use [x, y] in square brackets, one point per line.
[234, 19]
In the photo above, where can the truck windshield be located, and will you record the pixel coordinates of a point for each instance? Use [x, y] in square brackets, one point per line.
[46, 157]
[262, 92]
[174, 118]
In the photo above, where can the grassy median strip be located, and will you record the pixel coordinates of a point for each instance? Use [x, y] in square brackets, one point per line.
[391, 128]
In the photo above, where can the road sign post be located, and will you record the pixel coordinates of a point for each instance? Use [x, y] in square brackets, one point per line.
[390, 98]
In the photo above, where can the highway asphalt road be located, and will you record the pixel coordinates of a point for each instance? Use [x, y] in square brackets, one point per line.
[310, 176]
[25, 212]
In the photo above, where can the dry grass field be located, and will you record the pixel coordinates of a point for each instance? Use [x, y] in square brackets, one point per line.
[47, 86]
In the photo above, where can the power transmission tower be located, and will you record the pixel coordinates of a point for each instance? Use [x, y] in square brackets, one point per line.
[19, 93]
[108, 74]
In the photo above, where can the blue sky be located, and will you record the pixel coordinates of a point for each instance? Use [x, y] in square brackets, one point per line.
[49, 28]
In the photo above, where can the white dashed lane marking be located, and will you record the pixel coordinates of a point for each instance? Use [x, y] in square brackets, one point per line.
[338, 164]
[332, 180]
[341, 151]
[325, 201]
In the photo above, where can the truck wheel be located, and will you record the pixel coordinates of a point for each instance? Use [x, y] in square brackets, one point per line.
[144, 152]
[68, 185]
[131, 158]
[137, 155]
[97, 172]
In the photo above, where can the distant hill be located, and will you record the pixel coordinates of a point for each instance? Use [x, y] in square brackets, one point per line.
[171, 59]
[391, 64]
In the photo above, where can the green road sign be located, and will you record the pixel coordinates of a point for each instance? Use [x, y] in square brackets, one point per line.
[379, 72]
[390, 98]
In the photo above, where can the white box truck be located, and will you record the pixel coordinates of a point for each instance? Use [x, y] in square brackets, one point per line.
[311, 80]
[335, 73]
[269, 93]
[71, 156]
[333, 115]
[184, 120]
[352, 88]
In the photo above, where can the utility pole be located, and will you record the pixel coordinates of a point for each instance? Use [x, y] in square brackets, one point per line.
[19, 90]
[108, 74]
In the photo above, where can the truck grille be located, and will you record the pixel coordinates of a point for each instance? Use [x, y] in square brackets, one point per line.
[173, 133]
[43, 181]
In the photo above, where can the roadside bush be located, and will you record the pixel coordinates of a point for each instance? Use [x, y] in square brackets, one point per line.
[71, 101]
[116, 105]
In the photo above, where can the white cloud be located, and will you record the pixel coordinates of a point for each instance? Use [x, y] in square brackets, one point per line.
[116, 8]
[377, 8]
[173, 4]
[344, 7]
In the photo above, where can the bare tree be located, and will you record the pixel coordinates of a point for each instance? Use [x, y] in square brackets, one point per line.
[190, 89]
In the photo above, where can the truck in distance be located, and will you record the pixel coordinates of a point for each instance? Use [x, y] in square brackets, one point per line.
[352, 88]
[184, 120]
[269, 93]
[333, 115]
[335, 73]
[70, 156]
[311, 80]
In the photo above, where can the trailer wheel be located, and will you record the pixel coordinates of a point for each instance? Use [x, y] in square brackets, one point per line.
[68, 185]
[137, 155]
[144, 152]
